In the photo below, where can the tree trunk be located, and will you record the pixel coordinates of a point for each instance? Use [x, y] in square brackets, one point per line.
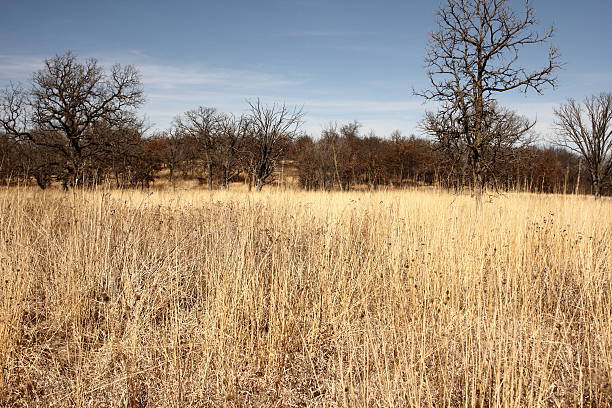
[225, 178]
[578, 177]
[40, 180]
[478, 187]
[209, 175]
[336, 168]
[596, 186]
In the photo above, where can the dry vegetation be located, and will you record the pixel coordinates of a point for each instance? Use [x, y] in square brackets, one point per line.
[303, 299]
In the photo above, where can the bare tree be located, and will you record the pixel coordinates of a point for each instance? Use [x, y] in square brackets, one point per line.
[203, 126]
[272, 128]
[172, 150]
[504, 133]
[333, 161]
[66, 101]
[588, 131]
[230, 151]
[472, 56]
[124, 153]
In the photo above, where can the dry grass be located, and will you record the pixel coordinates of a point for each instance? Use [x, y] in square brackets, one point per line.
[304, 299]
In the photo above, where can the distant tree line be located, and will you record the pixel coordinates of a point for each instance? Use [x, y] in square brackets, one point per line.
[76, 125]
[344, 159]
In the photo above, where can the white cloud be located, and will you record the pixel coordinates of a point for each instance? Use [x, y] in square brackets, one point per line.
[173, 77]
[171, 90]
[541, 112]
[18, 68]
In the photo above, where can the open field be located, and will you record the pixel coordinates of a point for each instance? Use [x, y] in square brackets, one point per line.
[125, 298]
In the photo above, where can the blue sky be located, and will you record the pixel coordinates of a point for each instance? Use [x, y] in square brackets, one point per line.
[341, 60]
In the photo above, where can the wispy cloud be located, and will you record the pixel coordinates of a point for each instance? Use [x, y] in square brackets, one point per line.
[540, 111]
[173, 89]
[330, 33]
[17, 67]
[172, 77]
[371, 106]
[379, 116]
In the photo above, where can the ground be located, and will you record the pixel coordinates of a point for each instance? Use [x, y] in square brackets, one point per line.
[287, 298]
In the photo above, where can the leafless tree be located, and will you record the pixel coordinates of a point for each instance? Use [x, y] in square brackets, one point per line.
[504, 132]
[272, 128]
[474, 55]
[172, 150]
[203, 126]
[230, 151]
[334, 157]
[124, 153]
[343, 147]
[588, 131]
[67, 100]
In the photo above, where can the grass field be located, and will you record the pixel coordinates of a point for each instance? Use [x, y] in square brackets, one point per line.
[295, 299]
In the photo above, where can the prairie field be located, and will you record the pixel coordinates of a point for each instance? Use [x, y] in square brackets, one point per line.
[417, 298]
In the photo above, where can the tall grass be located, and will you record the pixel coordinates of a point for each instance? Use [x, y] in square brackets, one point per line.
[304, 299]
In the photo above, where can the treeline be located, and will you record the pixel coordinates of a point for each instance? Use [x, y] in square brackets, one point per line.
[344, 159]
[341, 158]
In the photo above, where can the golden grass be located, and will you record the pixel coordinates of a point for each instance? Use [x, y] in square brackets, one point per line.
[304, 299]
